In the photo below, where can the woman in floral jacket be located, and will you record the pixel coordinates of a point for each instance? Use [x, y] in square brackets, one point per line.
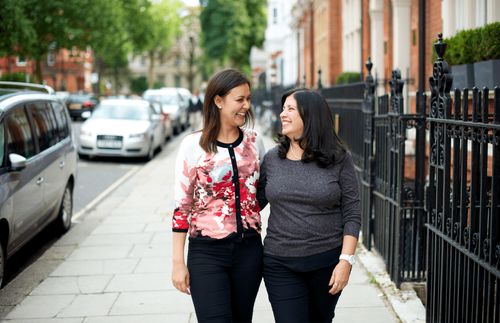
[217, 171]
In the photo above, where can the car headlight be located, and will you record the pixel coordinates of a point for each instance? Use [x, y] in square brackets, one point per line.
[141, 135]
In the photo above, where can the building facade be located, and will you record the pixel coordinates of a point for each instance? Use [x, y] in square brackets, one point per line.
[63, 70]
[338, 36]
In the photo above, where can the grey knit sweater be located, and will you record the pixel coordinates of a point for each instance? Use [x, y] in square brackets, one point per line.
[312, 208]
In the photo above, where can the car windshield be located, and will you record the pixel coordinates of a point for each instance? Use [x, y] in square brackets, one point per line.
[169, 99]
[79, 97]
[126, 112]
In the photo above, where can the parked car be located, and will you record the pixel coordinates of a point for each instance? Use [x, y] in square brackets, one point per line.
[78, 103]
[38, 165]
[173, 104]
[121, 127]
[168, 130]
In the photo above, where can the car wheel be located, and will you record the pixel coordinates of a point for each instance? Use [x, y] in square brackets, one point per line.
[2, 263]
[63, 220]
[83, 156]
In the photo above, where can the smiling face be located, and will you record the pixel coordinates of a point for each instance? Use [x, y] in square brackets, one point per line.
[291, 123]
[234, 106]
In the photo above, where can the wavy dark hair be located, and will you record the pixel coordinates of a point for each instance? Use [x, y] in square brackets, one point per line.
[219, 84]
[319, 139]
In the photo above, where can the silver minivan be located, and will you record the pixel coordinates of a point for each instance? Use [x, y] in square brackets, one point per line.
[38, 164]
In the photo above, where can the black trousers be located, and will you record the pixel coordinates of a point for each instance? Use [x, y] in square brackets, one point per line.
[224, 279]
[299, 296]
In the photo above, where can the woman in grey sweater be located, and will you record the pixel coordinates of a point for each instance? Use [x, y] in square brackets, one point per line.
[311, 185]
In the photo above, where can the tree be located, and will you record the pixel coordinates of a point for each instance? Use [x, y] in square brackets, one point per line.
[164, 28]
[231, 28]
[15, 28]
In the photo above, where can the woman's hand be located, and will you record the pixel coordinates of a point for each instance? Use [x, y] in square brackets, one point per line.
[340, 277]
[180, 278]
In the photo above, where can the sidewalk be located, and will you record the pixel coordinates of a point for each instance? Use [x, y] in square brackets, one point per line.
[114, 266]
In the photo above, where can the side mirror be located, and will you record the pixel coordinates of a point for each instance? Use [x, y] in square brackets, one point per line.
[86, 114]
[17, 162]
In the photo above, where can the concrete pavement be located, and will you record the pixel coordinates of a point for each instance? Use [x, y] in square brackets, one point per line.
[114, 266]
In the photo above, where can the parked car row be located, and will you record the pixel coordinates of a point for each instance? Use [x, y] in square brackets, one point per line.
[38, 164]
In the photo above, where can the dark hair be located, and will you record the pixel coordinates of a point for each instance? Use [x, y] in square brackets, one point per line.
[219, 84]
[319, 139]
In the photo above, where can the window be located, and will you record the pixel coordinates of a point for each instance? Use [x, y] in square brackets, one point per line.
[44, 124]
[20, 61]
[62, 122]
[19, 137]
[177, 80]
[275, 16]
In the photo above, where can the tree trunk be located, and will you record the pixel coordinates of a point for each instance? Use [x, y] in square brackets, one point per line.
[116, 74]
[100, 70]
[38, 71]
[151, 69]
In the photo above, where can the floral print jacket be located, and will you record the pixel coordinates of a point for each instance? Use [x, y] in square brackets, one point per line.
[215, 193]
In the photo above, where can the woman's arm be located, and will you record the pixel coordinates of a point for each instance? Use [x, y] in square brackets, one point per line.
[341, 272]
[185, 177]
[261, 186]
[351, 218]
[180, 273]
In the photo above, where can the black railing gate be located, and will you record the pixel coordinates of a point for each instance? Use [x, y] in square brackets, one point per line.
[463, 202]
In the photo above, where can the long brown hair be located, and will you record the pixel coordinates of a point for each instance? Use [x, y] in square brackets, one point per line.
[219, 84]
[319, 139]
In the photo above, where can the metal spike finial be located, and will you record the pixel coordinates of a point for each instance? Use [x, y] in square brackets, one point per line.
[369, 65]
[320, 84]
[440, 47]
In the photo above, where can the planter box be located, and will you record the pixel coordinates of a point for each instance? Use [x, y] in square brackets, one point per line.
[463, 76]
[487, 73]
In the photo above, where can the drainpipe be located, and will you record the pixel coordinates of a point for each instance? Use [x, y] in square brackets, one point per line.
[421, 46]
[312, 41]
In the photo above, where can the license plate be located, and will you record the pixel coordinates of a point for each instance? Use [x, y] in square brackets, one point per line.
[112, 144]
[75, 106]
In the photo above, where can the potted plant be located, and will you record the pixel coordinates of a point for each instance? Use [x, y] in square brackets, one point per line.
[460, 56]
[487, 57]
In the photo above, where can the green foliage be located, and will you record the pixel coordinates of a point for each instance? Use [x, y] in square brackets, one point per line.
[112, 28]
[349, 77]
[14, 77]
[489, 43]
[231, 28]
[472, 45]
[138, 85]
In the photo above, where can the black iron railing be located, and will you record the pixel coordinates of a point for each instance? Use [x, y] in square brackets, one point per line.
[463, 202]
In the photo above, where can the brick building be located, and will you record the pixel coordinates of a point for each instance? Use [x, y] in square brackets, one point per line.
[65, 70]
[338, 36]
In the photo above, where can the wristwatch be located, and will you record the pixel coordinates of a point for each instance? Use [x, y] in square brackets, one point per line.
[349, 258]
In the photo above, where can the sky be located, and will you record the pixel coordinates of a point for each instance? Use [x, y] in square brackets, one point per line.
[191, 2]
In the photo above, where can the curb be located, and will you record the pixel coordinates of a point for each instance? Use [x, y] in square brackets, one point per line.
[405, 303]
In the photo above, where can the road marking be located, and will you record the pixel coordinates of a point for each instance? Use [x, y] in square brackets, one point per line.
[105, 193]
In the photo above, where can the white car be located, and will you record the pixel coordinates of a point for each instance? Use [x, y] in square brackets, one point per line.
[173, 104]
[122, 127]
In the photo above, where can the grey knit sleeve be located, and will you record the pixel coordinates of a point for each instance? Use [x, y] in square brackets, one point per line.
[350, 202]
[261, 186]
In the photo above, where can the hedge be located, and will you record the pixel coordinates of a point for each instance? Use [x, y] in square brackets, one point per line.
[473, 45]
